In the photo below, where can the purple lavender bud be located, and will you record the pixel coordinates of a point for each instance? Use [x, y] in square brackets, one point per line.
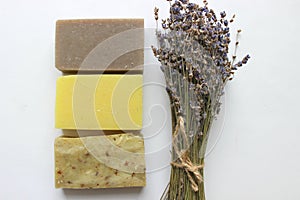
[223, 14]
[239, 64]
[245, 59]
[175, 10]
[226, 30]
[178, 17]
[189, 17]
[226, 23]
[176, 23]
[191, 6]
[199, 13]
[184, 1]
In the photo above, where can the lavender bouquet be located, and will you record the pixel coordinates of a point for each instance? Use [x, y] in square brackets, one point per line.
[193, 47]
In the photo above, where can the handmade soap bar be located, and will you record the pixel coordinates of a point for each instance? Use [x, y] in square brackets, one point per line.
[99, 45]
[99, 102]
[100, 162]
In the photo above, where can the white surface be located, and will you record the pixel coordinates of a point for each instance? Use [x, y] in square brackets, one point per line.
[257, 155]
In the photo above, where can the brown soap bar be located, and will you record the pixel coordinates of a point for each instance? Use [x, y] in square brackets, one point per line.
[98, 45]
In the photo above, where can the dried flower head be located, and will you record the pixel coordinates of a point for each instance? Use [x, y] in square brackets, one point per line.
[156, 13]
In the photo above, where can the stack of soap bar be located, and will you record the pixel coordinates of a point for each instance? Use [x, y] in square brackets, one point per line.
[98, 162]
[99, 102]
[111, 45]
[93, 104]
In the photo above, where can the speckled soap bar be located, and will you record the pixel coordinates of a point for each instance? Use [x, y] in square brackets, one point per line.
[112, 45]
[100, 162]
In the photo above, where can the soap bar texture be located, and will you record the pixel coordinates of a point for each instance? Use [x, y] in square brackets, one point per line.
[100, 162]
[99, 102]
[114, 45]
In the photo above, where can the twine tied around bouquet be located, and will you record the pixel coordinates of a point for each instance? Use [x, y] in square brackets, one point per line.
[185, 162]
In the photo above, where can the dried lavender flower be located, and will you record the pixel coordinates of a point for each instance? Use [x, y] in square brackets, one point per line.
[193, 52]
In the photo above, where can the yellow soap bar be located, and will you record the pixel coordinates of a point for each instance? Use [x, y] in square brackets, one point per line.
[99, 102]
[100, 162]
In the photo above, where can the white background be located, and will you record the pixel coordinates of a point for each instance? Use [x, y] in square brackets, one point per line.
[257, 155]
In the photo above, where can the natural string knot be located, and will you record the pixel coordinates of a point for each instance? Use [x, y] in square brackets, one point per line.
[185, 162]
[187, 165]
